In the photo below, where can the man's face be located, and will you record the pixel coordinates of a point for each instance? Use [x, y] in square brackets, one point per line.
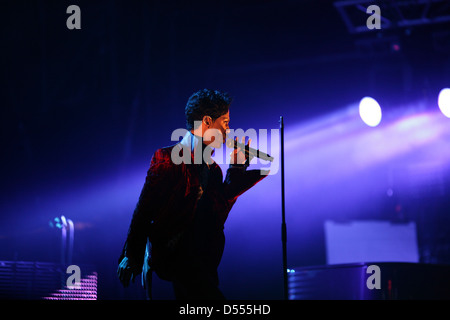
[219, 126]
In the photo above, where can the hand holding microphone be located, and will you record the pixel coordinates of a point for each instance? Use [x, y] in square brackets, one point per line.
[243, 153]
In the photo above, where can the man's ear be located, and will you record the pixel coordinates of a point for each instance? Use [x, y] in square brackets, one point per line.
[207, 120]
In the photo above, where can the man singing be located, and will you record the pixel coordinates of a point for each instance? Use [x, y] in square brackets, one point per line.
[177, 226]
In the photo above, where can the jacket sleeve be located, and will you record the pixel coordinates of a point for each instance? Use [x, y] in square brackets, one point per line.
[238, 180]
[156, 186]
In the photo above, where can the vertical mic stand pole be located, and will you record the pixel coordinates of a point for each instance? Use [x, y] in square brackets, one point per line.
[283, 212]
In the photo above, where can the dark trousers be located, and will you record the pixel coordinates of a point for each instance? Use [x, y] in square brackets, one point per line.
[197, 285]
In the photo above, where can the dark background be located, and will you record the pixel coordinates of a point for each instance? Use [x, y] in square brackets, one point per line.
[82, 111]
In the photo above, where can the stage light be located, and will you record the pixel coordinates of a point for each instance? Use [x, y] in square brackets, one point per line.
[56, 223]
[444, 101]
[63, 223]
[370, 111]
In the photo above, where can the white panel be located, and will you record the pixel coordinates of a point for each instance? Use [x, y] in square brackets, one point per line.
[370, 241]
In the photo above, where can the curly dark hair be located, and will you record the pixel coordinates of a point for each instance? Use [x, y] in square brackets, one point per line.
[206, 102]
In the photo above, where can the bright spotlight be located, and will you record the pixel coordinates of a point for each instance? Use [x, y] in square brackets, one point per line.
[370, 111]
[444, 101]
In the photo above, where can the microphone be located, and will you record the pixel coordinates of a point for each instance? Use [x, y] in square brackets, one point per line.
[232, 143]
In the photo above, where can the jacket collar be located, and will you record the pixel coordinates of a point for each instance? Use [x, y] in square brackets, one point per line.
[195, 143]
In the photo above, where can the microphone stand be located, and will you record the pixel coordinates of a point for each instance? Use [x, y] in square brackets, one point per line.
[283, 212]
